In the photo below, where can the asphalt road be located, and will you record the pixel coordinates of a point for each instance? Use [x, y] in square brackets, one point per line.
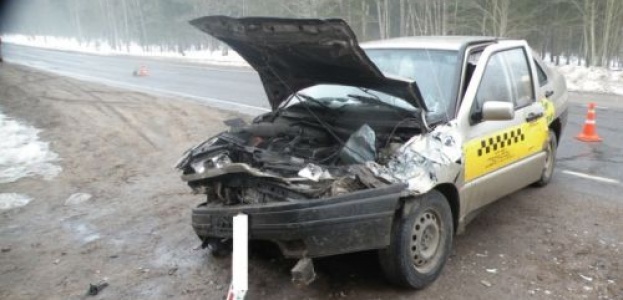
[233, 88]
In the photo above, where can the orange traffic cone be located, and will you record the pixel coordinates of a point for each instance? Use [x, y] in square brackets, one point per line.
[589, 133]
[142, 71]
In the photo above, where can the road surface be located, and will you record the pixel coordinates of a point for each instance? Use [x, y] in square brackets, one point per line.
[119, 145]
[234, 88]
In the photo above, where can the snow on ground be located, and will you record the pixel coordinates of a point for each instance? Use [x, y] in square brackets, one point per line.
[22, 154]
[581, 79]
[13, 200]
[592, 79]
[78, 198]
[230, 58]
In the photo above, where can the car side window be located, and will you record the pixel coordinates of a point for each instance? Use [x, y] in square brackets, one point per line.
[521, 77]
[507, 78]
[494, 86]
[541, 74]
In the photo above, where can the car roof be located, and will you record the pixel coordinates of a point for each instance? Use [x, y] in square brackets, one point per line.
[428, 42]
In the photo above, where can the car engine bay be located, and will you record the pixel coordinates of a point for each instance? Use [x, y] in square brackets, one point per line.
[295, 154]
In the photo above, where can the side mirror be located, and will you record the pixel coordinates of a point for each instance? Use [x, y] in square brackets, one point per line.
[497, 111]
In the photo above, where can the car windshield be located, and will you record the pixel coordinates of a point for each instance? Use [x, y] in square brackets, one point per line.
[336, 96]
[432, 70]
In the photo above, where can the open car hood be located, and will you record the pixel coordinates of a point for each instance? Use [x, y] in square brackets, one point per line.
[293, 54]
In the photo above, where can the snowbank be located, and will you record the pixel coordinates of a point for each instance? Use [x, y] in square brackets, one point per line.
[592, 79]
[22, 154]
[101, 47]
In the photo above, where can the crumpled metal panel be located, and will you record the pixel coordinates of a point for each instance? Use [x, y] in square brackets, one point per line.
[314, 173]
[360, 146]
[424, 160]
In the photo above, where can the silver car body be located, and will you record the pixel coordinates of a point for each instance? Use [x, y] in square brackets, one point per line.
[481, 179]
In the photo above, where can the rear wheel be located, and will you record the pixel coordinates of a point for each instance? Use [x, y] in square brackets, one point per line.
[420, 243]
[550, 161]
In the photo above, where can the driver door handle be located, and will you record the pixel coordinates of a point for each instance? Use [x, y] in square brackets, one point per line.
[533, 116]
[549, 94]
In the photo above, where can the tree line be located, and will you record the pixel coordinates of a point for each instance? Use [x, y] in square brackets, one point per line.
[590, 30]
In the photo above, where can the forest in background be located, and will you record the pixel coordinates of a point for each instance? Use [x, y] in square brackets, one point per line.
[590, 30]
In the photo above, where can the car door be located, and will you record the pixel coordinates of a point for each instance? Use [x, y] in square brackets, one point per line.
[501, 156]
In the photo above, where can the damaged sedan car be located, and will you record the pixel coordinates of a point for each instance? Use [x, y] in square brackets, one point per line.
[391, 145]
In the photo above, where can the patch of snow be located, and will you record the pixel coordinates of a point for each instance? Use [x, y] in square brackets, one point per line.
[13, 200]
[22, 154]
[81, 231]
[102, 47]
[592, 79]
[78, 198]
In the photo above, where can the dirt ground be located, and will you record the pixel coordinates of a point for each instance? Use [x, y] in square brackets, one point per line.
[120, 146]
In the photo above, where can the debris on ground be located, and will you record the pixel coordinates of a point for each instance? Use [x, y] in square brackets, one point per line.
[95, 289]
[6, 249]
[589, 279]
[172, 270]
[486, 283]
[303, 272]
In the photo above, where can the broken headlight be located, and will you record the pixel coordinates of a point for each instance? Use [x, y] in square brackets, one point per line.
[218, 161]
[187, 155]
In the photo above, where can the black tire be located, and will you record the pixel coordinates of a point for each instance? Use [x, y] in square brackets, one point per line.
[409, 260]
[550, 161]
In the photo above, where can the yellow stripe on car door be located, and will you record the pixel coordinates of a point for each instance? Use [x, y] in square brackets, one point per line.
[491, 152]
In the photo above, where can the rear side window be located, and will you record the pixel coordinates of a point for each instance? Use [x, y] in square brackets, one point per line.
[541, 74]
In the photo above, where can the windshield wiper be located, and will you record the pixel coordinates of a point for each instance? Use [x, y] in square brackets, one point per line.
[298, 96]
[312, 99]
[376, 100]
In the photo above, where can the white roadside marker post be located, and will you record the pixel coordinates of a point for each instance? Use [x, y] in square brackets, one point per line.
[240, 258]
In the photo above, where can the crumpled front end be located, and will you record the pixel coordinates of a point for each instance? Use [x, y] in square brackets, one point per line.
[424, 161]
[310, 192]
[265, 163]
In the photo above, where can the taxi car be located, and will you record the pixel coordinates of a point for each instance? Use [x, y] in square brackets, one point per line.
[392, 145]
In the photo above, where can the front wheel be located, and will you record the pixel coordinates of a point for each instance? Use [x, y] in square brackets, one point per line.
[420, 243]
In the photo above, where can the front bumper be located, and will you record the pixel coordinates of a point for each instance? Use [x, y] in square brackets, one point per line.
[352, 222]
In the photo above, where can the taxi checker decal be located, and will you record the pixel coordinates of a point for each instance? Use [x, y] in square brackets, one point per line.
[500, 141]
[491, 152]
